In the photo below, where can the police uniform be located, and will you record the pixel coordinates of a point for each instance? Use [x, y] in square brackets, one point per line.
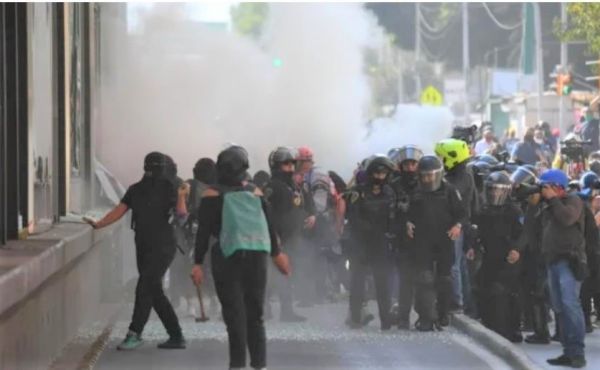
[370, 214]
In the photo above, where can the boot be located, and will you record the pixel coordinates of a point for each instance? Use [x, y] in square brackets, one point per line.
[177, 342]
[540, 327]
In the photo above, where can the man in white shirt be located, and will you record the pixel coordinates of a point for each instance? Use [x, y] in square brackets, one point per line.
[486, 142]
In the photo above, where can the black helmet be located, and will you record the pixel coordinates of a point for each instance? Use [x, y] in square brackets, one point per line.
[480, 171]
[489, 159]
[232, 164]
[155, 164]
[480, 168]
[281, 155]
[170, 168]
[431, 173]
[205, 170]
[524, 175]
[261, 178]
[595, 167]
[405, 153]
[497, 188]
[379, 163]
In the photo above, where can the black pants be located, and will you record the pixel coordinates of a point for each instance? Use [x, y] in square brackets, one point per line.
[240, 281]
[379, 263]
[500, 307]
[433, 279]
[407, 274]
[152, 264]
[536, 295]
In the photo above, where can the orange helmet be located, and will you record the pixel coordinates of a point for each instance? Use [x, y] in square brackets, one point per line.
[304, 154]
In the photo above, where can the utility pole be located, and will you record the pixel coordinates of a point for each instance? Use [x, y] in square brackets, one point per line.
[465, 19]
[539, 58]
[417, 48]
[564, 60]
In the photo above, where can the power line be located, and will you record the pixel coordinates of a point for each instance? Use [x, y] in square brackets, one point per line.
[431, 36]
[431, 28]
[498, 23]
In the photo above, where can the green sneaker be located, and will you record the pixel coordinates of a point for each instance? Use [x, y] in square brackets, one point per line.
[131, 342]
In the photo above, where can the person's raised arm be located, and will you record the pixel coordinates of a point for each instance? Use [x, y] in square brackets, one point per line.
[111, 217]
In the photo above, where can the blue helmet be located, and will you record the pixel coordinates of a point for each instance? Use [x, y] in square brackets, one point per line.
[555, 177]
[588, 180]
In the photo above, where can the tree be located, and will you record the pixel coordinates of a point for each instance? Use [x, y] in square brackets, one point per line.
[248, 18]
[583, 24]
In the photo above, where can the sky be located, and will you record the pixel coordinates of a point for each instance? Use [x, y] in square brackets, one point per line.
[202, 12]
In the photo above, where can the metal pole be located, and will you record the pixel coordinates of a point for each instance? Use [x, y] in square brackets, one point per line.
[465, 18]
[564, 56]
[417, 48]
[495, 58]
[539, 58]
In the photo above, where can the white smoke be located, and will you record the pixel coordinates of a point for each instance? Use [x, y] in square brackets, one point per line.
[411, 124]
[187, 90]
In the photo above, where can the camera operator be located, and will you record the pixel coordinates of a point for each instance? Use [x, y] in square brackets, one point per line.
[563, 248]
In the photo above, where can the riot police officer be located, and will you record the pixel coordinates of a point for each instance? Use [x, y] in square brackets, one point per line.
[370, 214]
[288, 205]
[499, 230]
[435, 218]
[404, 185]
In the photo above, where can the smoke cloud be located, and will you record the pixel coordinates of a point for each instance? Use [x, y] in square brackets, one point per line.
[188, 90]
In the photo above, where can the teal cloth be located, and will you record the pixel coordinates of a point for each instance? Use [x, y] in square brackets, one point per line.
[244, 225]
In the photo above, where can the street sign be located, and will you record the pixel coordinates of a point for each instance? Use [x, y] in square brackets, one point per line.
[431, 96]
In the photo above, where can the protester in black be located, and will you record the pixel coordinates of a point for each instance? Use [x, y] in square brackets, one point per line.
[153, 201]
[240, 278]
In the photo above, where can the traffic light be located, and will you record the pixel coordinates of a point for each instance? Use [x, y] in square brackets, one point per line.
[563, 84]
[567, 87]
[277, 62]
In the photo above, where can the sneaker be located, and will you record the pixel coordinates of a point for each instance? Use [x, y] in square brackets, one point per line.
[562, 360]
[536, 339]
[578, 362]
[132, 341]
[291, 317]
[422, 325]
[515, 338]
[173, 343]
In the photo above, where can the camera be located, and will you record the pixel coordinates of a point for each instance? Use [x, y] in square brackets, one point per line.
[525, 190]
[574, 149]
[467, 134]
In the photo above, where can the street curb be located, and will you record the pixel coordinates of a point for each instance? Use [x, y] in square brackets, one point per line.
[494, 342]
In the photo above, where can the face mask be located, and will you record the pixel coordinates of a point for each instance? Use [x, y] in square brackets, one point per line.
[538, 140]
[377, 181]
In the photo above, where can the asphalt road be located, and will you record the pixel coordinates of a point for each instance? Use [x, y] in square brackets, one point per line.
[323, 342]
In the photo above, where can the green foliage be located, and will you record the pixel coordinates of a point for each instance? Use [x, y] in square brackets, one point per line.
[584, 24]
[248, 18]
